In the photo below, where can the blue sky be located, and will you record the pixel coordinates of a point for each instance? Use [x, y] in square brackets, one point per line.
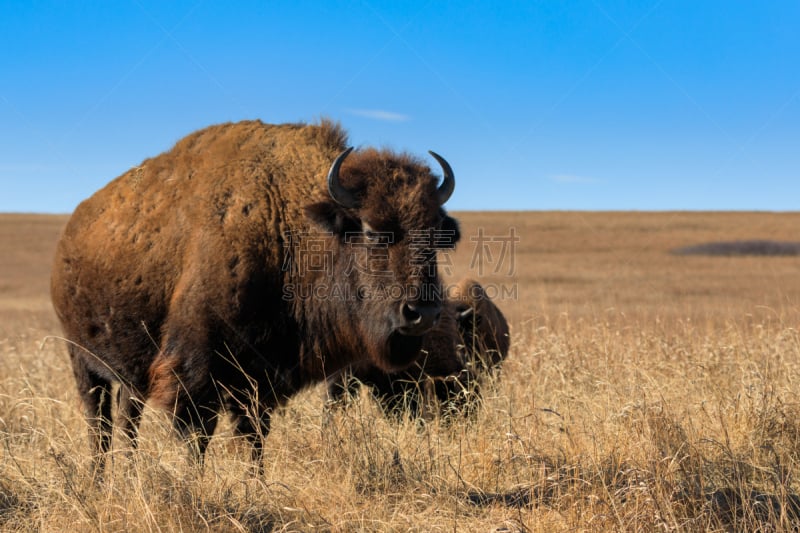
[595, 104]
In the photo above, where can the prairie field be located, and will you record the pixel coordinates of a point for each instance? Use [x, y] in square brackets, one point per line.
[645, 391]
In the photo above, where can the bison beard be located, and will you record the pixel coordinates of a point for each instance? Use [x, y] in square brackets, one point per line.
[403, 349]
[469, 343]
[172, 280]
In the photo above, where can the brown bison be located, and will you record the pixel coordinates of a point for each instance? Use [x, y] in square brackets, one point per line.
[470, 340]
[483, 327]
[244, 264]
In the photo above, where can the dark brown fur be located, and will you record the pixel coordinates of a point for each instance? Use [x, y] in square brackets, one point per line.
[483, 327]
[471, 340]
[441, 373]
[182, 279]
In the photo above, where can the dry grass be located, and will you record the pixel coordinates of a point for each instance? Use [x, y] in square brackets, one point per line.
[644, 391]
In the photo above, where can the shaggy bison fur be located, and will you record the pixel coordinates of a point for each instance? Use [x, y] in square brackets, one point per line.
[242, 265]
[470, 341]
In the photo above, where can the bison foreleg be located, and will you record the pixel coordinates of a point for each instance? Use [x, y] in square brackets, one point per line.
[195, 418]
[130, 406]
[255, 428]
[252, 420]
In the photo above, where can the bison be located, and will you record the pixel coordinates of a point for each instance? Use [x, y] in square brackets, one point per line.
[483, 327]
[470, 341]
[247, 262]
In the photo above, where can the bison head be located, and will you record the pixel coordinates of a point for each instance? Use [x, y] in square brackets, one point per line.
[384, 219]
[483, 327]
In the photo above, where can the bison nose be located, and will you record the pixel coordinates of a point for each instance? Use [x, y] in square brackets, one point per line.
[419, 317]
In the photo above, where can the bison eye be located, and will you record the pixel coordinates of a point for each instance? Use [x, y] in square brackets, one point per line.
[372, 236]
[378, 237]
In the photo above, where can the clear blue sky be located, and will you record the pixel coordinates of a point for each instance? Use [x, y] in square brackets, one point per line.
[596, 104]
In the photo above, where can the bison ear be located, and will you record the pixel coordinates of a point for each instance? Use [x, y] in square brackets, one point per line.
[450, 233]
[332, 217]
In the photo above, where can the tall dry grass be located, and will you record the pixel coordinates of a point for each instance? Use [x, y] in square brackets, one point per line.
[625, 405]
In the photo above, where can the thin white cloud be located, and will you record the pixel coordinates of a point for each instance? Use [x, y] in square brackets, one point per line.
[571, 178]
[380, 114]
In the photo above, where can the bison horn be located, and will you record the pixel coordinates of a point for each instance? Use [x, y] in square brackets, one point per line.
[340, 194]
[448, 181]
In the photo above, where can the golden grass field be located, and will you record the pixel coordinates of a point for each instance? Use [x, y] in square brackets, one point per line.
[645, 391]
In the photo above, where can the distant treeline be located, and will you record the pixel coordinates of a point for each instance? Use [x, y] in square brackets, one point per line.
[749, 247]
